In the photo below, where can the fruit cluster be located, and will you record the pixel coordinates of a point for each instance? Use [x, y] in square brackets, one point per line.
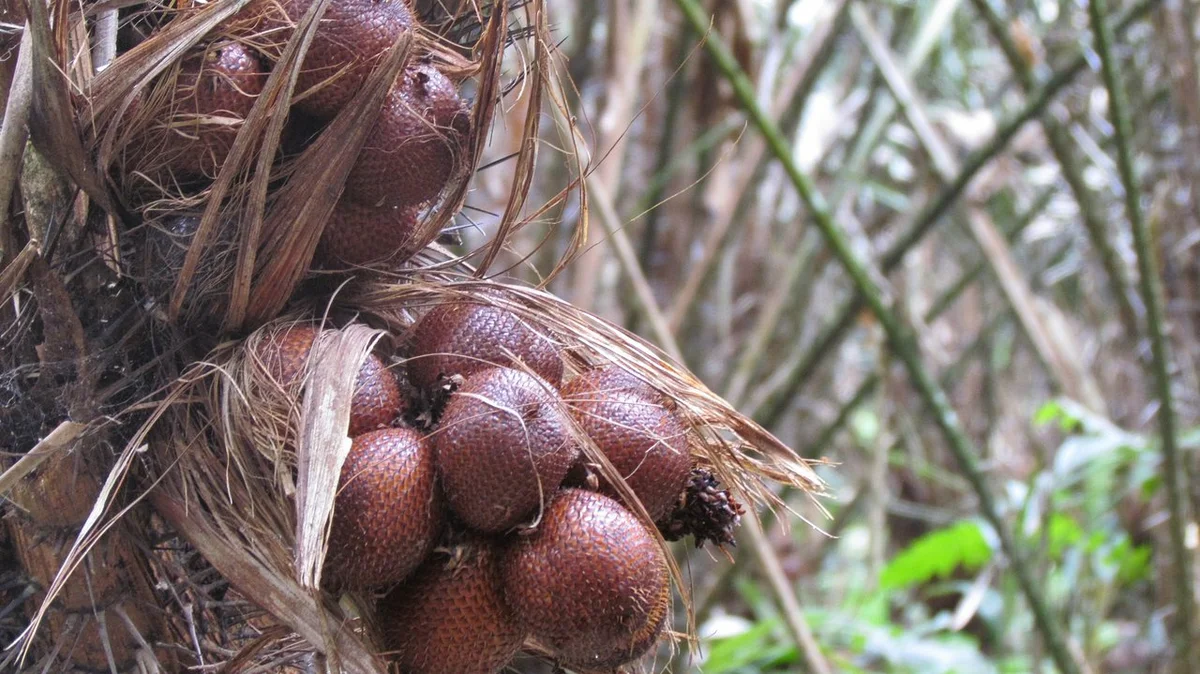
[476, 447]
[414, 150]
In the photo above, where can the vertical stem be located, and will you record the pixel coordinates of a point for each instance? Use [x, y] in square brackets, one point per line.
[1151, 289]
[900, 335]
[1060, 144]
[104, 42]
[793, 614]
[14, 131]
[666, 142]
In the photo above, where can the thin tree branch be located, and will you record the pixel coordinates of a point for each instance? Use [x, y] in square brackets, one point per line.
[1061, 145]
[1058, 355]
[1151, 290]
[13, 133]
[900, 335]
[793, 614]
[940, 306]
[798, 371]
[787, 107]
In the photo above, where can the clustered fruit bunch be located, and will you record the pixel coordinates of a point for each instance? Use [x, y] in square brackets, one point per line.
[416, 147]
[505, 487]
[476, 445]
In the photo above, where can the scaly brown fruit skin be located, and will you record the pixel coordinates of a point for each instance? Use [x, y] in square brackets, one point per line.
[213, 92]
[591, 581]
[461, 338]
[284, 352]
[645, 442]
[348, 44]
[377, 400]
[605, 379]
[502, 448]
[449, 617]
[417, 144]
[388, 513]
[361, 235]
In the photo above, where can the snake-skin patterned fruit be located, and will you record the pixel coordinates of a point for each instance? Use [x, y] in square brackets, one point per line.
[214, 93]
[376, 401]
[449, 617]
[388, 513]
[462, 337]
[644, 441]
[349, 41]
[417, 144]
[591, 581]
[502, 448]
[361, 235]
[605, 379]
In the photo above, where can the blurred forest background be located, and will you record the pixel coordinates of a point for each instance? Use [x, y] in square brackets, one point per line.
[948, 245]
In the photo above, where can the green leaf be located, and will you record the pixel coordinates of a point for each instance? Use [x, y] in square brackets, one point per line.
[1048, 413]
[936, 555]
[1151, 486]
[1068, 420]
[1062, 532]
[1133, 562]
[732, 653]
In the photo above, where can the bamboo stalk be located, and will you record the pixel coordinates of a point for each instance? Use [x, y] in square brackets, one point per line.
[793, 614]
[628, 39]
[787, 107]
[1058, 356]
[684, 43]
[797, 372]
[900, 335]
[940, 305]
[932, 24]
[1061, 145]
[1159, 367]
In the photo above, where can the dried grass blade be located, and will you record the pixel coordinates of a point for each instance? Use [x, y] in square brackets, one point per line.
[302, 209]
[523, 171]
[52, 118]
[281, 596]
[323, 446]
[272, 105]
[565, 123]
[15, 270]
[134, 69]
[59, 439]
[266, 118]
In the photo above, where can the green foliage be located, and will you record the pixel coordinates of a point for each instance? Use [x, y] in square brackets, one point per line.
[1055, 411]
[1132, 562]
[756, 649]
[1063, 532]
[936, 555]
